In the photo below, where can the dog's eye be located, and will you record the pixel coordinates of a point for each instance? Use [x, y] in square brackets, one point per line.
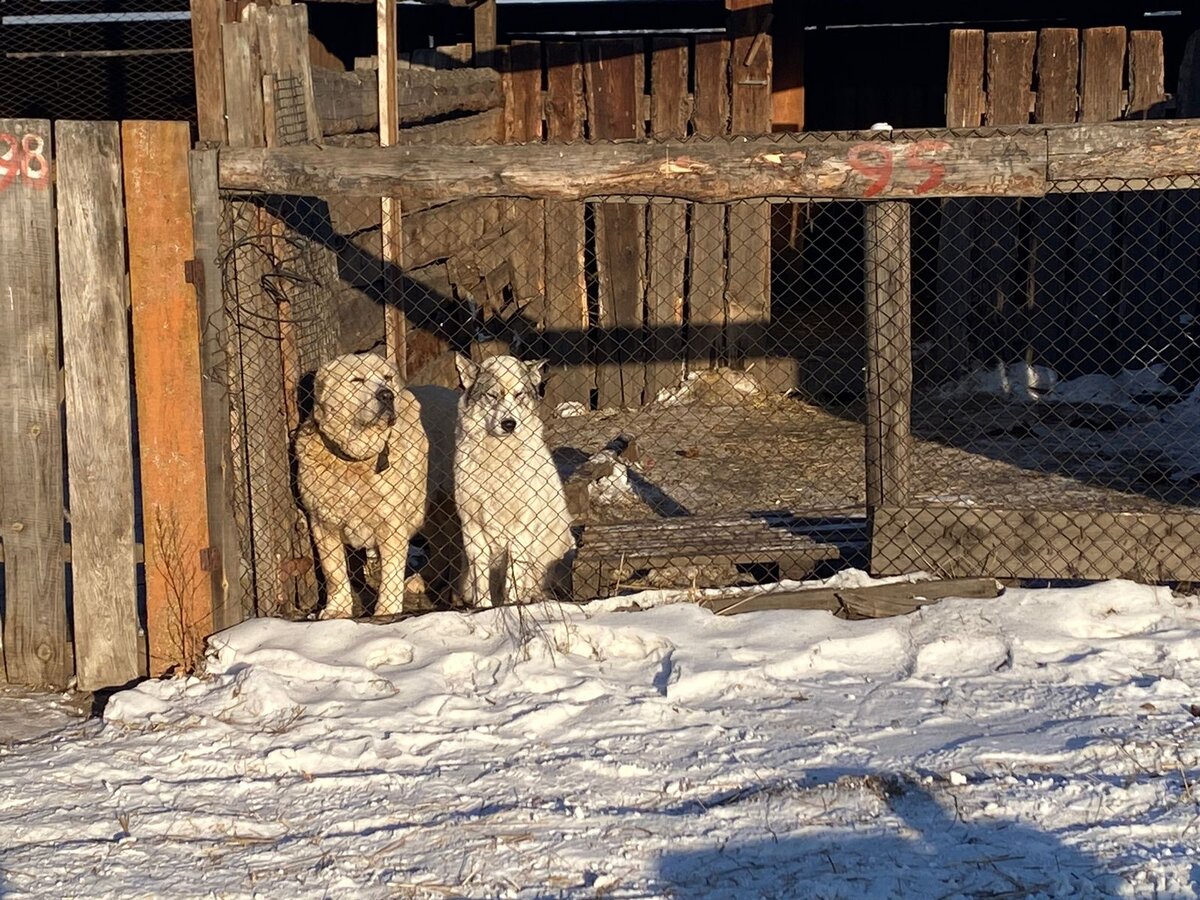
[388, 378]
[357, 380]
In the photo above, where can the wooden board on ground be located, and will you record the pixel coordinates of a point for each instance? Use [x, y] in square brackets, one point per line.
[31, 502]
[613, 74]
[95, 337]
[166, 354]
[693, 551]
[1012, 543]
[872, 602]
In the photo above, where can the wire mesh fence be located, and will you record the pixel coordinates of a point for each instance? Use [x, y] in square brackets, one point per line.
[75, 59]
[658, 393]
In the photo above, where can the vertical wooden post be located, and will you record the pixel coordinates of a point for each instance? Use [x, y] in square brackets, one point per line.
[31, 502]
[95, 311]
[485, 34]
[888, 242]
[395, 325]
[207, 16]
[223, 563]
[166, 341]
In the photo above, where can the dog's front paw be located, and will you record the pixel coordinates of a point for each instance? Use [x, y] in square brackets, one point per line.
[334, 612]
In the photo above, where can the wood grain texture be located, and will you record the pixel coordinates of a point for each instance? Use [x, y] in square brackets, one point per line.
[1010, 76]
[243, 85]
[888, 242]
[566, 342]
[95, 336]
[614, 74]
[31, 500]
[166, 342]
[1057, 75]
[666, 235]
[209, 67]
[965, 98]
[1020, 543]
[522, 80]
[1146, 75]
[1102, 70]
[231, 603]
[712, 171]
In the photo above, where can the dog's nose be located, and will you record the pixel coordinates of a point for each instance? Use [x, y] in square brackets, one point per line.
[387, 398]
[508, 426]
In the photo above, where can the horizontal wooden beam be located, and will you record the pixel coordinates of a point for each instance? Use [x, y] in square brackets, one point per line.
[1123, 151]
[1012, 165]
[958, 541]
[873, 601]
[348, 102]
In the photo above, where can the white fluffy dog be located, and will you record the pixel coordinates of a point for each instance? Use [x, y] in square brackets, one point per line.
[362, 472]
[516, 527]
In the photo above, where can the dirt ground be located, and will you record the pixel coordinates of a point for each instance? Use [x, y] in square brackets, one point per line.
[777, 452]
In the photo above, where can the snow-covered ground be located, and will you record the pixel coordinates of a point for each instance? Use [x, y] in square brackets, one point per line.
[1045, 743]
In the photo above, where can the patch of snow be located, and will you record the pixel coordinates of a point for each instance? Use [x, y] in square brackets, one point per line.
[1018, 381]
[1044, 744]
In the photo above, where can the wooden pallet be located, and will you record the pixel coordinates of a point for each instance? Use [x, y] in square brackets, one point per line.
[703, 551]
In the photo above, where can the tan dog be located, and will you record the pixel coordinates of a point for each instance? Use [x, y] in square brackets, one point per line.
[363, 466]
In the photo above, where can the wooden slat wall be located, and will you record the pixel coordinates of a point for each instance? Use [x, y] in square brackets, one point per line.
[623, 343]
[124, 232]
[166, 347]
[1096, 281]
[95, 335]
[31, 495]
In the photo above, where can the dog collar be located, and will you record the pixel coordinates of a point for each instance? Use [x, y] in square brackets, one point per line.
[382, 461]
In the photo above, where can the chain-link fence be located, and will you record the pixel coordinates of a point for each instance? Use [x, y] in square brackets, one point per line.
[74, 59]
[690, 410]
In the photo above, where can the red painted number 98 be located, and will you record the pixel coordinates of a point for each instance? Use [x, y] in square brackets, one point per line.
[23, 159]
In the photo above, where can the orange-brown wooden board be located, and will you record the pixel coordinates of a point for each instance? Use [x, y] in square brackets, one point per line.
[166, 352]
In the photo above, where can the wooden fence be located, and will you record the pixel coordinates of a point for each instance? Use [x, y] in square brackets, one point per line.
[104, 484]
[1074, 283]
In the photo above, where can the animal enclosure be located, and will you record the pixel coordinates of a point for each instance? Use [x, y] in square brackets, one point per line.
[1001, 318]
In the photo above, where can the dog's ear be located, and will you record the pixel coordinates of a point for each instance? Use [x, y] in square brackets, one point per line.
[468, 370]
[537, 370]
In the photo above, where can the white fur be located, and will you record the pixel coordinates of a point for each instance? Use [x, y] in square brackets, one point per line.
[516, 527]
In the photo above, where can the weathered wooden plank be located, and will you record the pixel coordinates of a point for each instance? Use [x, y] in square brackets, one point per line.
[888, 244]
[1095, 240]
[31, 502]
[347, 102]
[710, 118]
[957, 303]
[1012, 165]
[566, 343]
[283, 47]
[243, 85]
[998, 275]
[206, 18]
[787, 61]
[1111, 154]
[965, 99]
[166, 354]
[874, 601]
[1147, 94]
[1102, 70]
[666, 237]
[396, 325]
[1018, 543]
[748, 277]
[613, 75]
[231, 603]
[1058, 75]
[522, 80]
[1057, 102]
[95, 336]
[484, 33]
[1010, 76]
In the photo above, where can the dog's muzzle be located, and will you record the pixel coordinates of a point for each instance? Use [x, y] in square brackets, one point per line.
[386, 398]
